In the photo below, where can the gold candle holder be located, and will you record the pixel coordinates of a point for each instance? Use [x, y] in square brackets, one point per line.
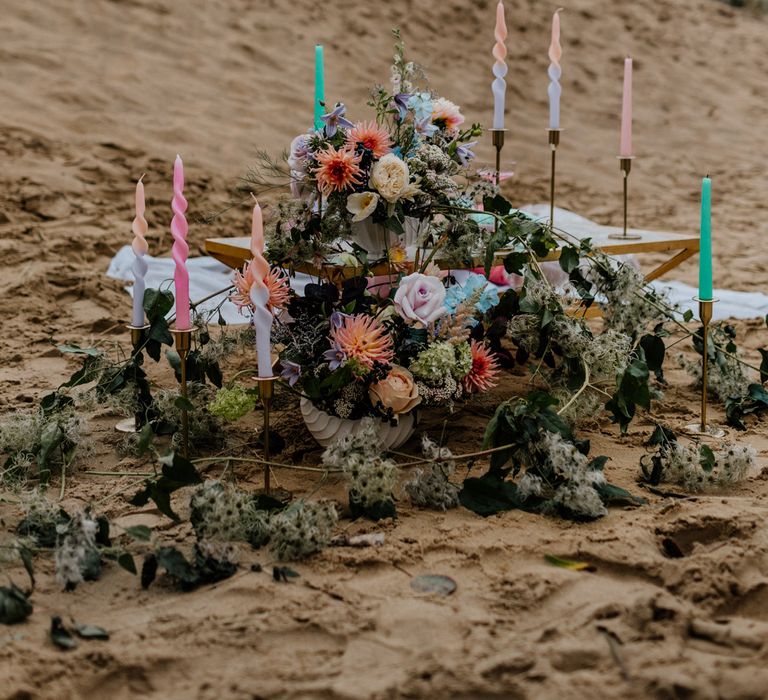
[554, 142]
[625, 162]
[266, 392]
[182, 340]
[702, 427]
[138, 337]
[497, 139]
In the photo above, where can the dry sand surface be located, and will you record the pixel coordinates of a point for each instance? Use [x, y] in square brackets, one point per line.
[96, 92]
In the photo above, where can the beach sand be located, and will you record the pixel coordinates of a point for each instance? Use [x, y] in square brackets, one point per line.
[97, 92]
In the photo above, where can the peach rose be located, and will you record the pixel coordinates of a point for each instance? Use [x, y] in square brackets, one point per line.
[420, 298]
[396, 391]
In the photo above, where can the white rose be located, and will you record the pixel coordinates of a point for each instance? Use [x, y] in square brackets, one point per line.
[420, 298]
[362, 204]
[390, 176]
[297, 159]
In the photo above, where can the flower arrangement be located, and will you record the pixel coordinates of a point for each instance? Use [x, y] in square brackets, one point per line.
[378, 184]
[356, 354]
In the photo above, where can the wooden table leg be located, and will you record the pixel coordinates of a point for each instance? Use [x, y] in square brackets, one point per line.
[670, 264]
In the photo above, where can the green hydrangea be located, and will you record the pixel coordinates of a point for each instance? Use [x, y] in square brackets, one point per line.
[231, 404]
[440, 359]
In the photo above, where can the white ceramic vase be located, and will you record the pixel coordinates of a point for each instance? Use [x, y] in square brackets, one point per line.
[325, 428]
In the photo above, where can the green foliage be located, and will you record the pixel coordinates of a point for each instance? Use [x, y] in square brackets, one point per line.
[632, 391]
[177, 472]
[14, 605]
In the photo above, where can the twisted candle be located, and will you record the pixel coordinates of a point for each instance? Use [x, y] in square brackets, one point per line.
[499, 85]
[555, 71]
[180, 250]
[262, 316]
[140, 248]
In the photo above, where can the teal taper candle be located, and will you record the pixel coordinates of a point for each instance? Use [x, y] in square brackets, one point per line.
[705, 250]
[319, 87]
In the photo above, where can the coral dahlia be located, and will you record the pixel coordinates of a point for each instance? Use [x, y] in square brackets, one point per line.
[337, 170]
[364, 339]
[277, 282]
[371, 136]
[446, 115]
[485, 367]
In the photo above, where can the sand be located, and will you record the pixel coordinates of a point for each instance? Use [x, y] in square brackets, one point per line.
[95, 93]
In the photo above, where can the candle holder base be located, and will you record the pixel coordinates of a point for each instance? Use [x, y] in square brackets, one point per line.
[625, 236]
[706, 431]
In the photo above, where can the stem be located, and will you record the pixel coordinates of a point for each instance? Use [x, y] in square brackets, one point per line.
[581, 390]
[136, 474]
[256, 460]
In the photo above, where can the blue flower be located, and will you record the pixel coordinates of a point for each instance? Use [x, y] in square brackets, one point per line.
[425, 127]
[336, 358]
[421, 105]
[337, 319]
[291, 372]
[334, 119]
[457, 294]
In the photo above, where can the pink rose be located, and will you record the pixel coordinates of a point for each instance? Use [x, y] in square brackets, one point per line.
[396, 391]
[420, 298]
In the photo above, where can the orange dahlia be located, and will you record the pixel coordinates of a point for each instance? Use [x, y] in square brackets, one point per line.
[485, 367]
[337, 170]
[277, 283]
[363, 338]
[372, 136]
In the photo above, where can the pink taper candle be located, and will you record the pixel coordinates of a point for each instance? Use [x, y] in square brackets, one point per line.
[262, 316]
[499, 85]
[180, 250]
[140, 248]
[625, 149]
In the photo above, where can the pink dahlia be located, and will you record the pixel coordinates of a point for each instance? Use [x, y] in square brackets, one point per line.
[277, 282]
[337, 170]
[372, 136]
[363, 338]
[485, 367]
[446, 115]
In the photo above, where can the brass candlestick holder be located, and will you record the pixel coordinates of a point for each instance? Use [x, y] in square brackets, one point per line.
[266, 392]
[497, 139]
[702, 428]
[625, 163]
[182, 340]
[554, 142]
[138, 337]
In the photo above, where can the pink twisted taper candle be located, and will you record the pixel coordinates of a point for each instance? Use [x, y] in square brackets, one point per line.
[262, 316]
[555, 71]
[180, 250]
[499, 85]
[140, 248]
[625, 148]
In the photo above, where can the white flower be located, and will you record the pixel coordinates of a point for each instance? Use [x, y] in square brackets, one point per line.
[391, 177]
[362, 204]
[420, 298]
[297, 159]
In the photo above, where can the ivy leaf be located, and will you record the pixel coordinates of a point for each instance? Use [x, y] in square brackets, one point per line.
[763, 364]
[654, 349]
[77, 350]
[157, 303]
[283, 573]
[183, 403]
[706, 458]
[141, 533]
[662, 436]
[51, 438]
[496, 205]
[491, 494]
[176, 564]
[26, 558]
[613, 495]
[148, 570]
[514, 261]
[91, 632]
[177, 472]
[126, 561]
[569, 259]
[14, 605]
[146, 437]
[688, 316]
[60, 635]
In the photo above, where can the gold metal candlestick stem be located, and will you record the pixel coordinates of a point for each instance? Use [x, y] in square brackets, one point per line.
[138, 334]
[625, 163]
[554, 142]
[182, 339]
[266, 391]
[702, 428]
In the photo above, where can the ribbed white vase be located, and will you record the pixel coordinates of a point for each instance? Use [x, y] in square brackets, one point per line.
[373, 237]
[326, 428]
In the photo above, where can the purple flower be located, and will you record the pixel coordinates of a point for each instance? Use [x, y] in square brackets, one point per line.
[291, 372]
[401, 103]
[425, 127]
[336, 358]
[334, 119]
[337, 319]
[465, 153]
